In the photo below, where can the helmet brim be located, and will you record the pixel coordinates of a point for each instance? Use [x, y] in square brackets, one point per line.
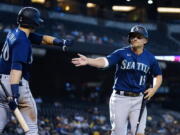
[136, 33]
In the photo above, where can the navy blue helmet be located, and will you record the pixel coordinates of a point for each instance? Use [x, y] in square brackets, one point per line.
[139, 30]
[29, 17]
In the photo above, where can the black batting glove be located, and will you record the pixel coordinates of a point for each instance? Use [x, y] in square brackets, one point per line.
[64, 43]
[13, 103]
[68, 42]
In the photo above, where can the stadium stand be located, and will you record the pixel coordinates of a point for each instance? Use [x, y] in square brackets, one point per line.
[85, 33]
[64, 118]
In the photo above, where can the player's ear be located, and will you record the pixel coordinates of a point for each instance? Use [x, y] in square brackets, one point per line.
[145, 41]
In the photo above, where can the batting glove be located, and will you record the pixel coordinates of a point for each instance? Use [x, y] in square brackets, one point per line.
[13, 103]
[64, 43]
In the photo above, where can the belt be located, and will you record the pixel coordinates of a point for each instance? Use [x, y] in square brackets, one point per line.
[126, 93]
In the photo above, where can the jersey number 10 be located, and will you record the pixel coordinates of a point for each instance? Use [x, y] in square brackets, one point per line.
[5, 51]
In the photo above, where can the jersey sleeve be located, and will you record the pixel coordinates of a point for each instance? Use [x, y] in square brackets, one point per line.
[35, 38]
[114, 57]
[155, 69]
[20, 51]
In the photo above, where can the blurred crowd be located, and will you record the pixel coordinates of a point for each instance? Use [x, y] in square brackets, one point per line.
[61, 31]
[81, 119]
[94, 35]
[88, 37]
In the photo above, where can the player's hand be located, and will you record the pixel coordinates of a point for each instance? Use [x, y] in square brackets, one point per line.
[81, 61]
[64, 43]
[12, 102]
[149, 93]
[68, 42]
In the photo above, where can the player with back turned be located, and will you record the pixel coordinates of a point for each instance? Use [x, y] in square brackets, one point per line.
[133, 65]
[15, 61]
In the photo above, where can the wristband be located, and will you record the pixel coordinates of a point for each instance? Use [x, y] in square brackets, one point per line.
[15, 90]
[58, 42]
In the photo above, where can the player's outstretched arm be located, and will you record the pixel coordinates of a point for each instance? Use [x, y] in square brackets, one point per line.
[36, 38]
[49, 40]
[99, 62]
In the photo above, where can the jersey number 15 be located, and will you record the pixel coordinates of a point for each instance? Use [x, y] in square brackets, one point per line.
[142, 80]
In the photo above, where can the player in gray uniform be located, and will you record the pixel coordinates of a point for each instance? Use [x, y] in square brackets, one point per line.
[133, 65]
[15, 61]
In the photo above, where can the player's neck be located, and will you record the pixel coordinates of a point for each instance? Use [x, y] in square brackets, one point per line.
[137, 50]
[25, 30]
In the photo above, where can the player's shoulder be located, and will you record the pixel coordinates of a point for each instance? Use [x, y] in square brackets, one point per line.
[20, 34]
[149, 55]
[17, 36]
[122, 50]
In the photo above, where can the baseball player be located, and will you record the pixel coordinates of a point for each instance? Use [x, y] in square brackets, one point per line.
[133, 65]
[15, 61]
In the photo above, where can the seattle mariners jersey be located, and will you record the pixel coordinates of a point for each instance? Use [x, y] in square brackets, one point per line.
[132, 70]
[17, 49]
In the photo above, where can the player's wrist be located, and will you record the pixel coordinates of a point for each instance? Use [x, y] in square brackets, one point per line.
[15, 90]
[58, 42]
[88, 61]
[155, 89]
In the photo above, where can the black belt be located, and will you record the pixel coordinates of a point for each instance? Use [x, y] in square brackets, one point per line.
[126, 93]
